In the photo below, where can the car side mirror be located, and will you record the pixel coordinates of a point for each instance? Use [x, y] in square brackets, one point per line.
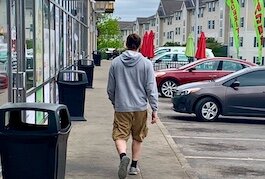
[191, 69]
[235, 84]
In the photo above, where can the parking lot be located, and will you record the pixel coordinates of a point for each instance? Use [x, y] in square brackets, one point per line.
[232, 147]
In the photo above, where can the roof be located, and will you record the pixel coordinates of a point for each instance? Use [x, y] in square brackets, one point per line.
[126, 24]
[190, 4]
[169, 7]
[142, 20]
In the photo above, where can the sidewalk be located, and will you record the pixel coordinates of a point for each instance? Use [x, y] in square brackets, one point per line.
[91, 151]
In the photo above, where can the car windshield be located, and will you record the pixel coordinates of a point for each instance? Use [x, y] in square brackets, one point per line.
[231, 75]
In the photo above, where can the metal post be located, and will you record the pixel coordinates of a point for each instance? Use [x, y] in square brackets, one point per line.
[20, 48]
[9, 66]
[196, 24]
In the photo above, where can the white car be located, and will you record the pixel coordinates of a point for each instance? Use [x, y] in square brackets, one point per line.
[160, 50]
[169, 60]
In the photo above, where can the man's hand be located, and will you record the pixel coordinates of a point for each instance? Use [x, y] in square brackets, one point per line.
[154, 117]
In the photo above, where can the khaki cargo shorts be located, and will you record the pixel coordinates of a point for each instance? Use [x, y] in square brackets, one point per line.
[126, 123]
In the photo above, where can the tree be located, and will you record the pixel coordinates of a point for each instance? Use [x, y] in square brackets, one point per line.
[171, 44]
[218, 49]
[109, 34]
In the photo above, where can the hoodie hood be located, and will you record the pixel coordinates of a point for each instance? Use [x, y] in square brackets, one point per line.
[130, 58]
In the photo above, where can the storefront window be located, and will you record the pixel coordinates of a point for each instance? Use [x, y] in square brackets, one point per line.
[46, 31]
[3, 51]
[52, 39]
[29, 27]
[39, 41]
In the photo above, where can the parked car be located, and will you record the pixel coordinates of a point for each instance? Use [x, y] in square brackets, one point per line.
[200, 70]
[3, 81]
[161, 50]
[238, 94]
[169, 60]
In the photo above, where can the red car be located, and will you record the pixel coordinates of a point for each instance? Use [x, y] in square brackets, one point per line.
[200, 70]
[3, 82]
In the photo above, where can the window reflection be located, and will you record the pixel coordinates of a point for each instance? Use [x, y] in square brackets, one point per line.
[3, 53]
[29, 44]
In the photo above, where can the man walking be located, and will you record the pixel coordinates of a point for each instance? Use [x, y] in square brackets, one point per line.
[131, 85]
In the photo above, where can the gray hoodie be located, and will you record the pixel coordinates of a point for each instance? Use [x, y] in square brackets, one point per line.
[132, 83]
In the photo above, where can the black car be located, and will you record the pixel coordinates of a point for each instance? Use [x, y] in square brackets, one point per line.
[238, 94]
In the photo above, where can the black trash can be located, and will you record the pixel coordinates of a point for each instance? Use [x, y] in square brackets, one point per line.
[88, 67]
[33, 150]
[72, 88]
[97, 58]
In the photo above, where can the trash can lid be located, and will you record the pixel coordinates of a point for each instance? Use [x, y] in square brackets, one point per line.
[72, 77]
[58, 116]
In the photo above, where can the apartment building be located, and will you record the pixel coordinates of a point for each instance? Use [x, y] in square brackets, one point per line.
[174, 20]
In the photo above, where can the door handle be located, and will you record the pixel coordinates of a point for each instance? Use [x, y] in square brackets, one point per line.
[212, 76]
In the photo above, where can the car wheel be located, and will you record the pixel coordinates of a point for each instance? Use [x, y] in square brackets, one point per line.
[207, 109]
[167, 88]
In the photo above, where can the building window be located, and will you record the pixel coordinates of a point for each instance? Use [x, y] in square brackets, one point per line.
[213, 6]
[177, 31]
[169, 21]
[178, 15]
[199, 29]
[209, 7]
[221, 14]
[242, 3]
[171, 34]
[241, 41]
[153, 23]
[211, 24]
[242, 22]
[164, 34]
[231, 41]
[256, 42]
[256, 60]
[200, 12]
[221, 33]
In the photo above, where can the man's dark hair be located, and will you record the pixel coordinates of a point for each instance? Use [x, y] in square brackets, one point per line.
[133, 42]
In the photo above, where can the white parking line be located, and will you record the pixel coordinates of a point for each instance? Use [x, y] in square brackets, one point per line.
[225, 158]
[219, 138]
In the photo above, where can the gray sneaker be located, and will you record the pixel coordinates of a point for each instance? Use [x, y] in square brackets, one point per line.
[134, 171]
[123, 168]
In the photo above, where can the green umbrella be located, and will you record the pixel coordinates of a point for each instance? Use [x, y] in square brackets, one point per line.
[189, 52]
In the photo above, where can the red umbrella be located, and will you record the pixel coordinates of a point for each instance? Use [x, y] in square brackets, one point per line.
[144, 43]
[150, 45]
[201, 48]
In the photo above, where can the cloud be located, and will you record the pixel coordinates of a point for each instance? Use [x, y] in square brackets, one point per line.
[129, 10]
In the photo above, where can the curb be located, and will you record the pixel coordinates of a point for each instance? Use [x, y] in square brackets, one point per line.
[181, 158]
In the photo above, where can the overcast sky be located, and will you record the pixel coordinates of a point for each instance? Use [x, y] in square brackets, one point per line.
[129, 10]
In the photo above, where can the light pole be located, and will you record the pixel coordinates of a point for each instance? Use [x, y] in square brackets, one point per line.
[196, 23]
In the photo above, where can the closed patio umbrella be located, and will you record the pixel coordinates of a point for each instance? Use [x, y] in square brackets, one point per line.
[189, 52]
[200, 53]
[144, 43]
[150, 45]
